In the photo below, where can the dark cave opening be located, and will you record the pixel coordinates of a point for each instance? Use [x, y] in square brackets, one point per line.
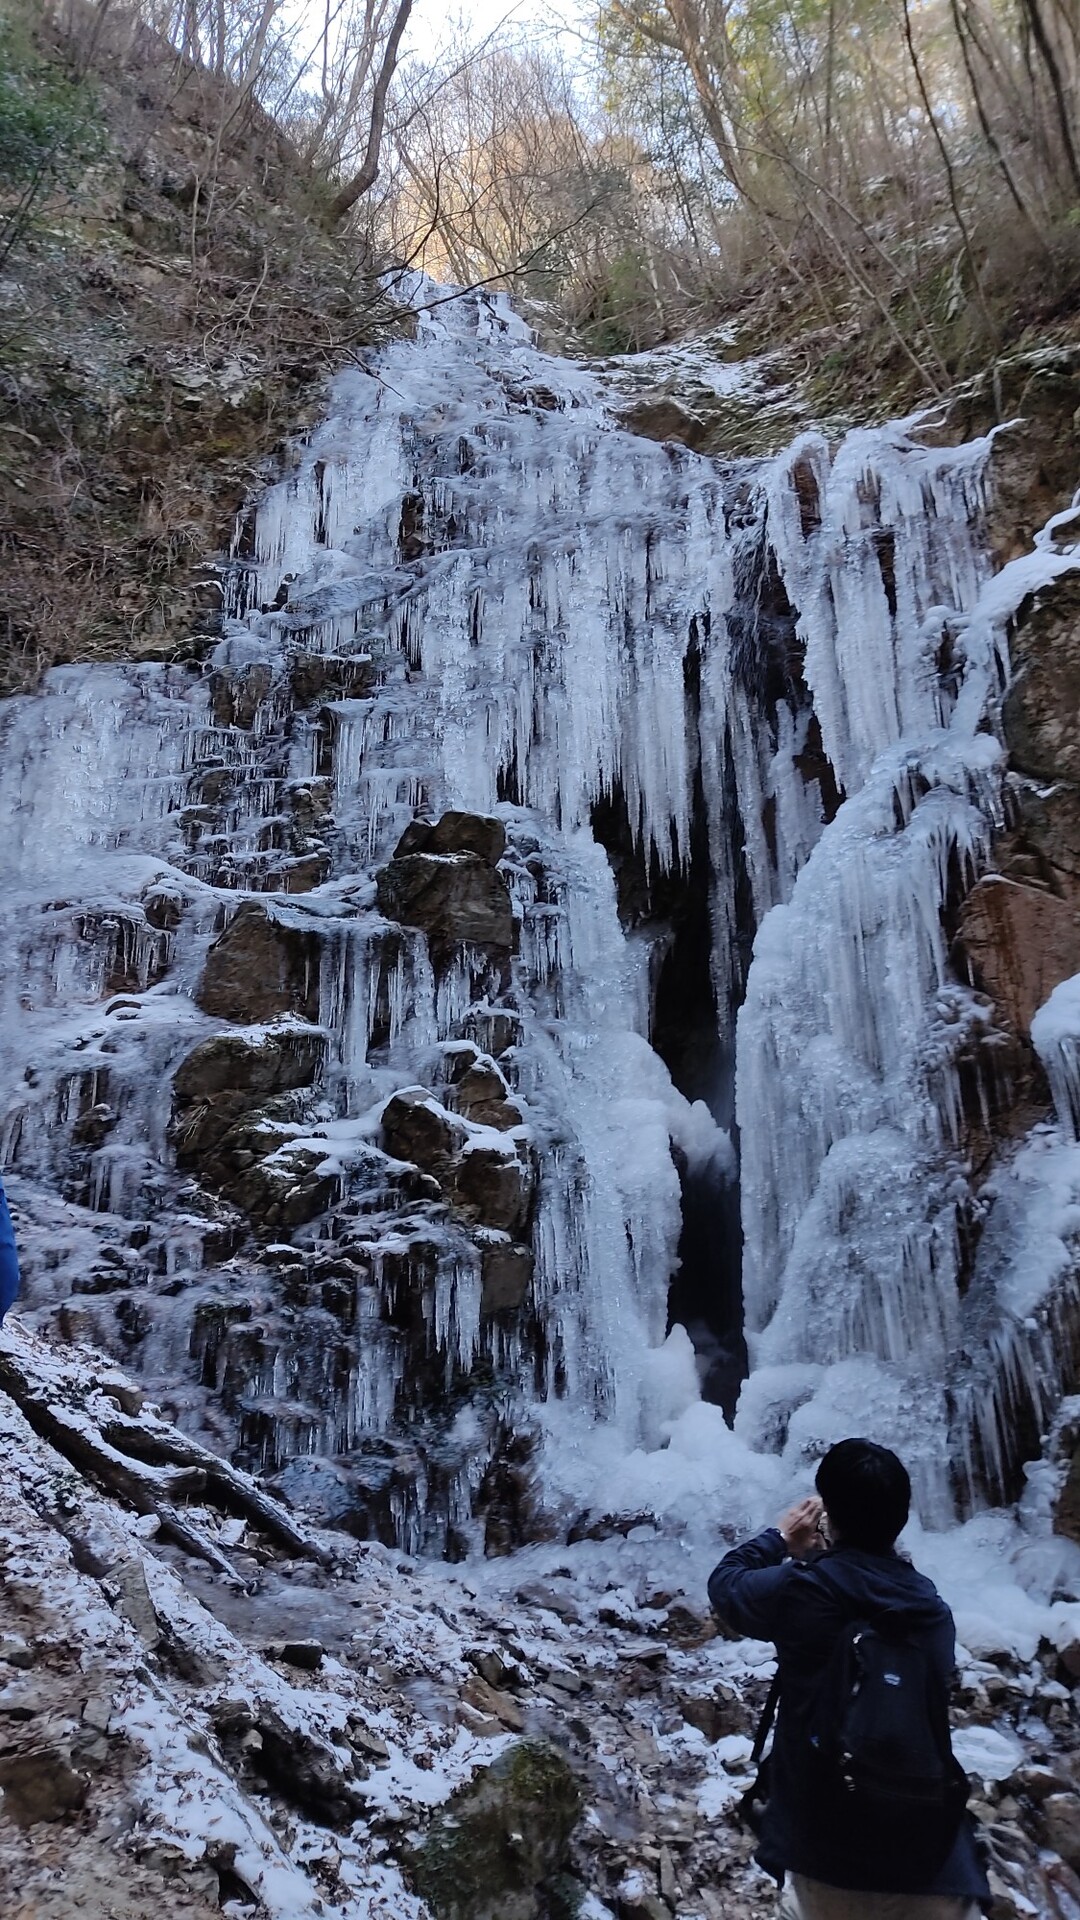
[695, 1040]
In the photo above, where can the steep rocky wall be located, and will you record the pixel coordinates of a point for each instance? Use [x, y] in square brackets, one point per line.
[172, 311]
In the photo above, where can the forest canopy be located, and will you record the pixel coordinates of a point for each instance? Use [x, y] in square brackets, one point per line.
[643, 166]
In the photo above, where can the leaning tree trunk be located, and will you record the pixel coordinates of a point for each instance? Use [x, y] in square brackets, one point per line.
[365, 179]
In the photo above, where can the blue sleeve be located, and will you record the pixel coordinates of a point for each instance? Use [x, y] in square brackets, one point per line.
[9, 1260]
[746, 1589]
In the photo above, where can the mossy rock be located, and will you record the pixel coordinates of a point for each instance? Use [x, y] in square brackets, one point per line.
[500, 1839]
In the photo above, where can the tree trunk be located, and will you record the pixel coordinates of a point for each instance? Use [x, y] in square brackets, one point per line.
[362, 182]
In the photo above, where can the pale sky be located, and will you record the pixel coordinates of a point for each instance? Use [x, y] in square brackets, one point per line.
[437, 23]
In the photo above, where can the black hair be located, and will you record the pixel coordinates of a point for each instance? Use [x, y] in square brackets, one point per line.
[866, 1492]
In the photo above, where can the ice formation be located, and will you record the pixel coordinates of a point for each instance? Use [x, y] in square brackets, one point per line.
[782, 670]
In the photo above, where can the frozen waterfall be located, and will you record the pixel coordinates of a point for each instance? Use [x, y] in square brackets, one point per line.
[392, 1205]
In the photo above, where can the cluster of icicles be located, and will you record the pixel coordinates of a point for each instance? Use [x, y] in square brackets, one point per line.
[558, 612]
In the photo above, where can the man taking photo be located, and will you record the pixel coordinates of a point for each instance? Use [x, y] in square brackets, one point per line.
[865, 1807]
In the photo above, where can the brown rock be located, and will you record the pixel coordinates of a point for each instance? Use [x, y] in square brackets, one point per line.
[1038, 1783]
[1067, 1511]
[286, 1191]
[491, 1666]
[507, 1271]
[715, 1714]
[261, 967]
[1032, 465]
[39, 1783]
[224, 1079]
[416, 1128]
[1021, 942]
[805, 482]
[316, 677]
[491, 1701]
[482, 1096]
[660, 417]
[237, 693]
[456, 899]
[475, 833]
[455, 832]
[1061, 1825]
[311, 802]
[1041, 711]
[306, 872]
[255, 1064]
[305, 1654]
[496, 1187]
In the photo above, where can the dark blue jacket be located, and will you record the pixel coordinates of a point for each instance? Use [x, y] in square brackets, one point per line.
[9, 1261]
[803, 1606]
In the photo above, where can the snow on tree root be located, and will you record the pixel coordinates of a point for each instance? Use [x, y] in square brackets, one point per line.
[91, 1414]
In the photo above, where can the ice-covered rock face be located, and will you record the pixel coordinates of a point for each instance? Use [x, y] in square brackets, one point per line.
[345, 1126]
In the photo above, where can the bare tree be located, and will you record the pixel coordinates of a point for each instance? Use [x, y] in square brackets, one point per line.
[364, 179]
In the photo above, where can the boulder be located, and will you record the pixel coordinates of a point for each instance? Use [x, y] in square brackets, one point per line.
[237, 693]
[455, 832]
[482, 1096]
[261, 967]
[310, 803]
[285, 1190]
[661, 417]
[226, 1078]
[1041, 711]
[1067, 1509]
[39, 1782]
[315, 677]
[255, 1064]
[507, 1272]
[1021, 942]
[496, 1187]
[455, 899]
[475, 833]
[1061, 1826]
[305, 1654]
[416, 1128]
[487, 1855]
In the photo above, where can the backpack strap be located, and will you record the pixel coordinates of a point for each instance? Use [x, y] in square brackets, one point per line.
[768, 1715]
[751, 1807]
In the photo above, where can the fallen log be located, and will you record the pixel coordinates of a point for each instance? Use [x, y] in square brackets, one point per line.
[80, 1405]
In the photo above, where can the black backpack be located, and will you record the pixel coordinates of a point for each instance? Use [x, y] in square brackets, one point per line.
[885, 1797]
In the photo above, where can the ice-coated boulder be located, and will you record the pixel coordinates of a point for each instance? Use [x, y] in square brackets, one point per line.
[507, 1272]
[262, 966]
[455, 832]
[416, 1128]
[456, 899]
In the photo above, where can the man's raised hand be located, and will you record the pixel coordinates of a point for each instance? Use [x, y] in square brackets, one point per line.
[800, 1528]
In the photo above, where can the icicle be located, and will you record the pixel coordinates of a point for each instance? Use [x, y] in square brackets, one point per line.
[1055, 1035]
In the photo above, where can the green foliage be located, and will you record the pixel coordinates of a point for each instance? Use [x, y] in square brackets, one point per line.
[48, 128]
[500, 1836]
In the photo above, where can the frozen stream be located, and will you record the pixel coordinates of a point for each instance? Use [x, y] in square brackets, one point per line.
[701, 701]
